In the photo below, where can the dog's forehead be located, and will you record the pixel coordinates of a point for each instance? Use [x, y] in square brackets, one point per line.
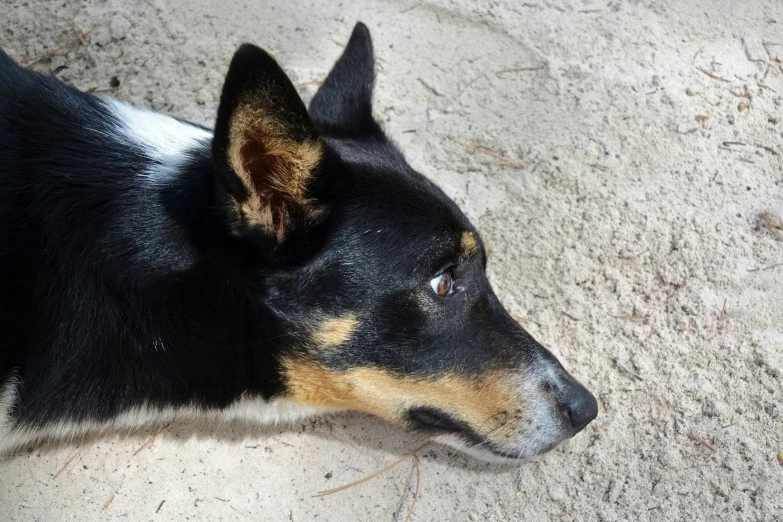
[385, 184]
[373, 150]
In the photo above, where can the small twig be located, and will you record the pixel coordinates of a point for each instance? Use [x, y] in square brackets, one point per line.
[697, 54]
[160, 505]
[108, 502]
[723, 311]
[775, 229]
[411, 8]
[338, 43]
[590, 11]
[714, 76]
[373, 475]
[415, 493]
[626, 370]
[575, 74]
[48, 54]
[701, 440]
[75, 455]
[633, 318]
[525, 319]
[519, 69]
[471, 82]
[152, 439]
[311, 82]
[488, 152]
[221, 499]
[81, 35]
[768, 149]
[770, 267]
[602, 168]
[747, 160]
[93, 90]
[80, 38]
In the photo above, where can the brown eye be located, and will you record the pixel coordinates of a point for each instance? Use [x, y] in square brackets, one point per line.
[443, 284]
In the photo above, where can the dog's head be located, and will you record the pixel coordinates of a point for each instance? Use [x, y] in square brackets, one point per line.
[372, 280]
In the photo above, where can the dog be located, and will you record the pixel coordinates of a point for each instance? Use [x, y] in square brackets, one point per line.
[288, 263]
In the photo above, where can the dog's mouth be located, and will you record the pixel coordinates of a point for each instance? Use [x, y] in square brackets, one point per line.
[458, 434]
[435, 421]
[448, 430]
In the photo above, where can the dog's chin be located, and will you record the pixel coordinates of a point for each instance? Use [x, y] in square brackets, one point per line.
[489, 452]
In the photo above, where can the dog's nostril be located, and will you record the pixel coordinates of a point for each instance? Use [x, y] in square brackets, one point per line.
[579, 406]
[432, 419]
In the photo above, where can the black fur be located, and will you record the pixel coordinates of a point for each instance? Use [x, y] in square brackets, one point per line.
[117, 293]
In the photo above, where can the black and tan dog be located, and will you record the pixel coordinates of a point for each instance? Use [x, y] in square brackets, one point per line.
[289, 264]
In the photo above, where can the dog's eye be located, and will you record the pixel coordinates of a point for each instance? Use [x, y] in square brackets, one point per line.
[443, 284]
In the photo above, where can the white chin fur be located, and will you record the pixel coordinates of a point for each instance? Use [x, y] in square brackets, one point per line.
[516, 455]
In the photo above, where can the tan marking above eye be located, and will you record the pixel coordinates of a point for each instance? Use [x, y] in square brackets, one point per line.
[335, 331]
[468, 243]
[489, 404]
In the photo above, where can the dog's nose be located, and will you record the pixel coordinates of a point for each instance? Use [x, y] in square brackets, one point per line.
[578, 405]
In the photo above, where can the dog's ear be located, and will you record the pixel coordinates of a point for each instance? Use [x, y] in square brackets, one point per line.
[265, 148]
[342, 107]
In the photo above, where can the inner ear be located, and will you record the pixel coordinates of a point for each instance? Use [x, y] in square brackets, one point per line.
[276, 169]
[265, 140]
[342, 107]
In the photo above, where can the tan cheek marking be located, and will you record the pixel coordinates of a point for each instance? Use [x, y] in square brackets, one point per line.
[488, 405]
[335, 331]
[468, 243]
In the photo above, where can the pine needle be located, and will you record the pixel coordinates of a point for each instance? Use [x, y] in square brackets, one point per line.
[152, 439]
[375, 474]
[484, 150]
[415, 493]
[775, 229]
[75, 455]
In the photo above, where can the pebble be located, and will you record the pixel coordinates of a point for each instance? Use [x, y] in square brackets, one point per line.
[754, 49]
[616, 489]
[670, 457]
[119, 27]
[100, 36]
[557, 493]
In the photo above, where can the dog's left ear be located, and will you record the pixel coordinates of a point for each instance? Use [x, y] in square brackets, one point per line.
[265, 149]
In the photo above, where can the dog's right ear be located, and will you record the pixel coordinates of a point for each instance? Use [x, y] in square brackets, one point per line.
[265, 149]
[342, 107]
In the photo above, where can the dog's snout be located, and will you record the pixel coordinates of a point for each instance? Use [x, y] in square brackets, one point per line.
[578, 405]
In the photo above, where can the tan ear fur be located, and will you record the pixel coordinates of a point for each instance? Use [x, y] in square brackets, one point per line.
[274, 167]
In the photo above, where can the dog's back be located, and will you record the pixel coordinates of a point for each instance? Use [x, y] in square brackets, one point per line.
[52, 163]
[95, 234]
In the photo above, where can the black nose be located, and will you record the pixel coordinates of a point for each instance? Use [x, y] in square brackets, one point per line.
[578, 405]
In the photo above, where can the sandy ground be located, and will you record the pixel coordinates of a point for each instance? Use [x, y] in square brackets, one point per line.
[617, 157]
